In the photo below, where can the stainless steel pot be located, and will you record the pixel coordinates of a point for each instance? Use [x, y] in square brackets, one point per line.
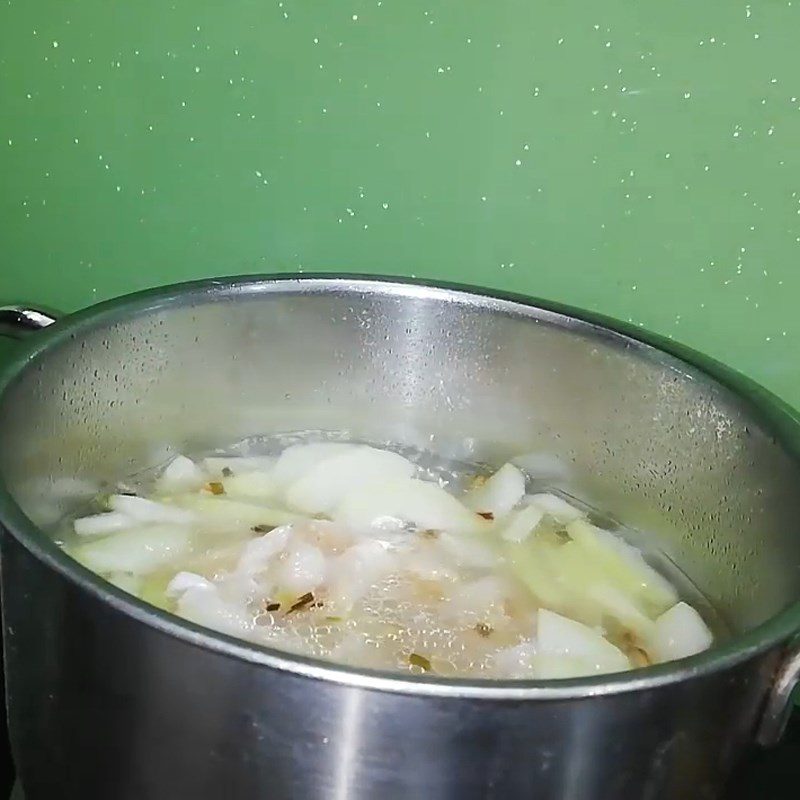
[110, 698]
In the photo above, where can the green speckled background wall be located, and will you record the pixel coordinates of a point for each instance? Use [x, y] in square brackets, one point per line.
[637, 158]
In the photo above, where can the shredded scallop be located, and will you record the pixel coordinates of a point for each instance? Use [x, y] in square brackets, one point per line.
[302, 568]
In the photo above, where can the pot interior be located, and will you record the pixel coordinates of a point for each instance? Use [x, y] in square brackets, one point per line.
[641, 436]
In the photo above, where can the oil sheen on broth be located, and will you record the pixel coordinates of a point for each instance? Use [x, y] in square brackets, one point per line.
[390, 559]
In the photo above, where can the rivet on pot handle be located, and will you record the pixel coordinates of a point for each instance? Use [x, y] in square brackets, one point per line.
[20, 321]
[779, 702]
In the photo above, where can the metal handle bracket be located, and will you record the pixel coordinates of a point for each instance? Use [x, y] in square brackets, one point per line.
[779, 702]
[20, 321]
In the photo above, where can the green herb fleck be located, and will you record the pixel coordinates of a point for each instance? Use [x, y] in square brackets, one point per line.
[416, 660]
[262, 528]
[302, 602]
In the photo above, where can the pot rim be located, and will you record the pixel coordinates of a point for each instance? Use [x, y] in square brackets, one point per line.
[773, 414]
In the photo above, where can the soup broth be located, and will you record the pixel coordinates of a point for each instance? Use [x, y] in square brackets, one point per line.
[393, 559]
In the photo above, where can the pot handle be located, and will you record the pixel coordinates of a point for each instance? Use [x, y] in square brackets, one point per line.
[18, 322]
[779, 704]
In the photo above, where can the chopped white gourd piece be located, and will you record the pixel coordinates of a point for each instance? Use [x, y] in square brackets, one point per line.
[180, 475]
[138, 551]
[467, 551]
[533, 563]
[102, 524]
[624, 566]
[218, 510]
[203, 605]
[322, 487]
[557, 635]
[499, 494]
[143, 510]
[302, 568]
[253, 484]
[568, 568]
[591, 594]
[555, 666]
[420, 503]
[613, 604]
[517, 662]
[678, 633]
[556, 507]
[217, 466]
[519, 525]
[354, 572]
[296, 460]
[184, 581]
